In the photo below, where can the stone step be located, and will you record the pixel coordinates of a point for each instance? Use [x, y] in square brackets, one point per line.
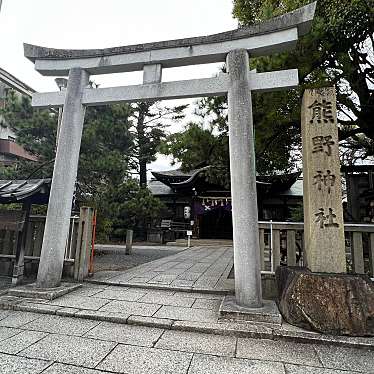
[242, 329]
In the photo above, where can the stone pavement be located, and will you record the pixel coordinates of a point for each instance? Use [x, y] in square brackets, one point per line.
[34, 343]
[111, 327]
[200, 268]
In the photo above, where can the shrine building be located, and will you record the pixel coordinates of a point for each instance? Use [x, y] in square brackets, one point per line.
[190, 197]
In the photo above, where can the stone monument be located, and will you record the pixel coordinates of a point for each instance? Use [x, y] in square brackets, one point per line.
[323, 211]
[321, 296]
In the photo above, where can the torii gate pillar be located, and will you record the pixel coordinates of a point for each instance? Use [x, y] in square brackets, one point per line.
[63, 182]
[243, 182]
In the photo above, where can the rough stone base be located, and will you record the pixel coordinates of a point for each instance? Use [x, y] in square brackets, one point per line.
[230, 310]
[31, 291]
[337, 304]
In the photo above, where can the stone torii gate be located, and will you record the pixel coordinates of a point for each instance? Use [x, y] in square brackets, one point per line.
[234, 47]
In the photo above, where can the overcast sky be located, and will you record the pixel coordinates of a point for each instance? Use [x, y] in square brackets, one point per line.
[109, 23]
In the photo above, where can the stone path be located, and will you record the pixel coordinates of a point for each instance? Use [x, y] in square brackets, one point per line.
[200, 268]
[113, 257]
[38, 343]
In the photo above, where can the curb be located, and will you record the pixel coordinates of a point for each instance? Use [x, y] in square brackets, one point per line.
[226, 328]
[160, 287]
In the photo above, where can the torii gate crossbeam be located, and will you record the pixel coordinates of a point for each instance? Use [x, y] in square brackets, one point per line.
[234, 47]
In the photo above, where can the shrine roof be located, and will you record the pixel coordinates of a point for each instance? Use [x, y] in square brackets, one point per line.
[178, 180]
[34, 191]
[300, 18]
[158, 188]
[296, 190]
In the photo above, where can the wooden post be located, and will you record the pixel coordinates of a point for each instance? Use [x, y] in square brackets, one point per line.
[291, 248]
[19, 262]
[276, 249]
[262, 248]
[357, 253]
[323, 212]
[82, 254]
[371, 254]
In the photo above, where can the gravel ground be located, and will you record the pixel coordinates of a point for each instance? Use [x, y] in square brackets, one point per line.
[112, 257]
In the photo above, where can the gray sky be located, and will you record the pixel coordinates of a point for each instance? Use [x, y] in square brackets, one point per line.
[100, 24]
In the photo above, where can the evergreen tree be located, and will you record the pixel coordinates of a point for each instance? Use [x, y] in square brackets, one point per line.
[104, 172]
[338, 51]
[148, 131]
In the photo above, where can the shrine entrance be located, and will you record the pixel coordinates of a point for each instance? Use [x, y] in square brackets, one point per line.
[233, 47]
[216, 224]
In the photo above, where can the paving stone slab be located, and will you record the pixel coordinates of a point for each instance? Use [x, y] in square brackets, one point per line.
[61, 325]
[271, 350]
[154, 292]
[87, 291]
[226, 328]
[17, 319]
[182, 283]
[298, 369]
[140, 309]
[21, 341]
[139, 280]
[88, 284]
[198, 343]
[119, 294]
[189, 276]
[103, 316]
[66, 312]
[163, 279]
[346, 358]
[69, 369]
[167, 300]
[198, 295]
[37, 308]
[126, 334]
[4, 313]
[80, 302]
[32, 291]
[7, 332]
[141, 360]
[206, 304]
[163, 323]
[202, 364]
[70, 350]
[187, 314]
[14, 364]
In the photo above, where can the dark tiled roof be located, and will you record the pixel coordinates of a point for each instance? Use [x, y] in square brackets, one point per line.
[35, 191]
[158, 188]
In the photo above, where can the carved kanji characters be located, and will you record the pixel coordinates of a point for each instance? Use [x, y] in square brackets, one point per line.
[326, 220]
[322, 112]
[327, 180]
[321, 218]
[322, 144]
